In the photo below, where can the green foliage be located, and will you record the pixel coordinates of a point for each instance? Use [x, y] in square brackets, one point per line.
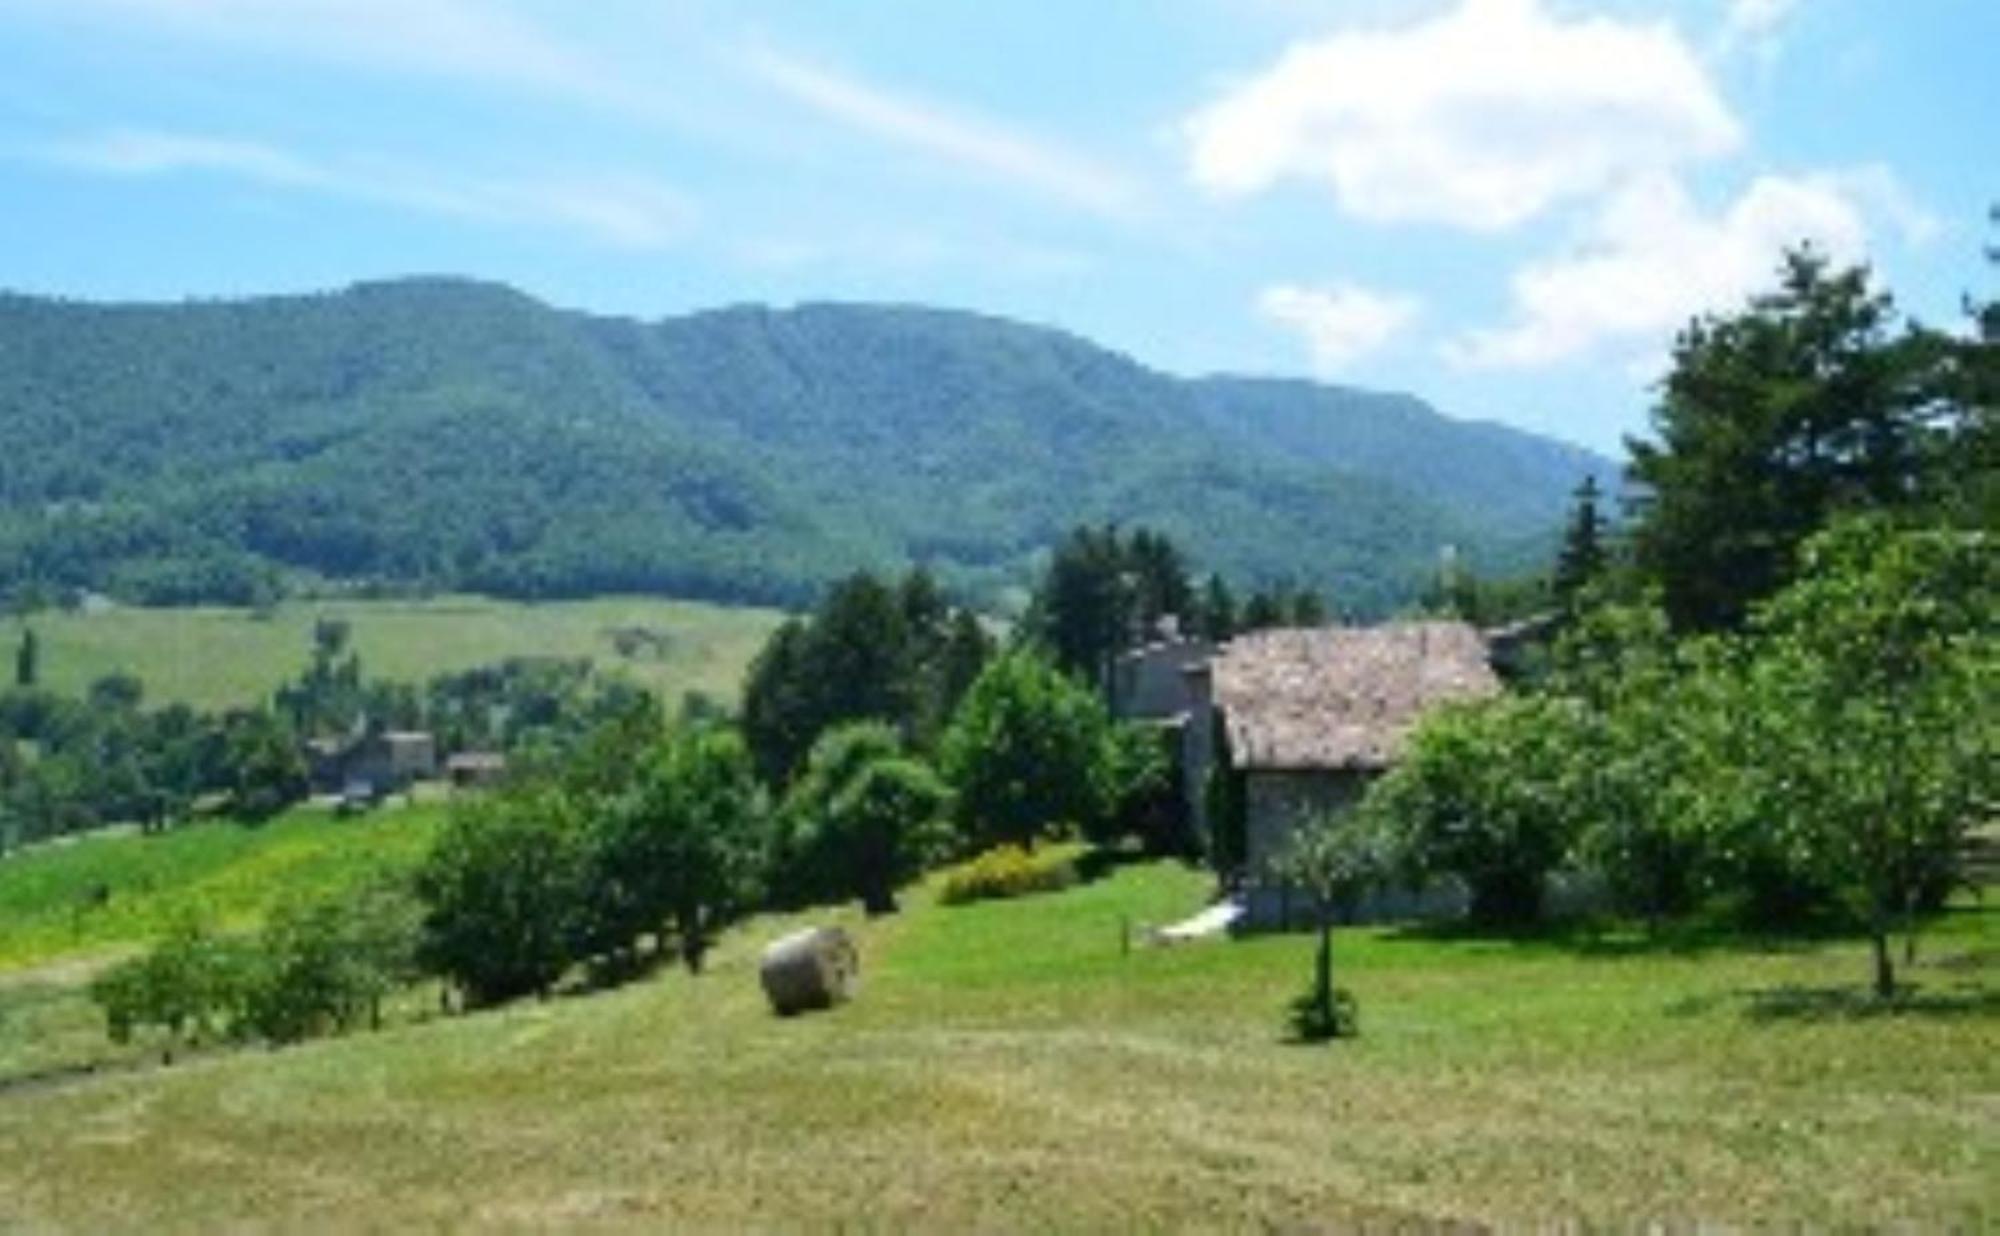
[321, 965]
[1584, 555]
[1029, 751]
[898, 655]
[265, 769]
[1145, 793]
[222, 451]
[1875, 679]
[861, 820]
[1807, 403]
[503, 892]
[27, 659]
[1086, 610]
[890, 821]
[190, 987]
[1335, 859]
[1006, 871]
[675, 850]
[1484, 794]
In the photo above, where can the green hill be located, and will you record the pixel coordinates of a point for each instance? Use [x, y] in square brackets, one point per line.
[459, 435]
[1008, 1065]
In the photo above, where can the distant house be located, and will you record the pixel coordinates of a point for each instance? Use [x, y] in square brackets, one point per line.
[474, 769]
[1303, 719]
[1155, 684]
[384, 763]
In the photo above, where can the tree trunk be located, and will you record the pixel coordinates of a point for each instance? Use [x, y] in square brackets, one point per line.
[693, 946]
[1885, 973]
[1323, 971]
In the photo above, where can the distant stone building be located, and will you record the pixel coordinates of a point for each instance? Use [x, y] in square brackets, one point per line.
[1301, 720]
[384, 763]
[475, 769]
[1156, 685]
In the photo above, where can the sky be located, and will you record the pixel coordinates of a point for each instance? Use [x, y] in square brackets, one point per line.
[1506, 207]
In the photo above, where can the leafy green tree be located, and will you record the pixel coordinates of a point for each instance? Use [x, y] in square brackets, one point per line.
[804, 862]
[1806, 403]
[190, 986]
[1335, 859]
[116, 692]
[677, 853]
[887, 824]
[1485, 793]
[1877, 674]
[266, 770]
[503, 890]
[1028, 751]
[1648, 777]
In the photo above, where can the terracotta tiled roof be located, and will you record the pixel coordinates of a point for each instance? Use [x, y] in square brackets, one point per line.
[1342, 697]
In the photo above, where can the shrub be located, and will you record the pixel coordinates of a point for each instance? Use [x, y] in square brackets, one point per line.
[503, 892]
[190, 986]
[1007, 871]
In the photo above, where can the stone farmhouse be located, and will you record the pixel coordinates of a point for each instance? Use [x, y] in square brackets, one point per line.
[1291, 722]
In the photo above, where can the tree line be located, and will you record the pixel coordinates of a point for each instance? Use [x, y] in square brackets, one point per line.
[1773, 694]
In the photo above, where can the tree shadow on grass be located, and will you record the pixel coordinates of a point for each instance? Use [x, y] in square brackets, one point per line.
[1602, 937]
[1792, 1002]
[1103, 860]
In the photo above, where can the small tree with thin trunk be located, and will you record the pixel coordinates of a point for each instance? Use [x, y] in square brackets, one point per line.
[1334, 858]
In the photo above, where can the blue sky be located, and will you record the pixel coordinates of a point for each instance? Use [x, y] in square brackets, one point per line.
[1504, 206]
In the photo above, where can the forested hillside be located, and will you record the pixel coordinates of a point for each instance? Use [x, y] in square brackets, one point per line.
[451, 434]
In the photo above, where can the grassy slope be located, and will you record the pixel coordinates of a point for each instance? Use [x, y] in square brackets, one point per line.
[218, 657]
[225, 872]
[1007, 1066]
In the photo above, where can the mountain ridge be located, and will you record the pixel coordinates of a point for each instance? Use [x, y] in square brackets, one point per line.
[440, 431]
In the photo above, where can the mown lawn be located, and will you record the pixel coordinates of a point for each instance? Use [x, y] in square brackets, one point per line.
[216, 657]
[1008, 1065]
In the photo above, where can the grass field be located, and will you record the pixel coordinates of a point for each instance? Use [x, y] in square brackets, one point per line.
[1008, 1065]
[222, 871]
[213, 658]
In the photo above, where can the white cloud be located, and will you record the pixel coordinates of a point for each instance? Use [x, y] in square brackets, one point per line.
[1340, 322]
[463, 39]
[1481, 118]
[1653, 259]
[981, 145]
[627, 212]
[1756, 19]
[1756, 26]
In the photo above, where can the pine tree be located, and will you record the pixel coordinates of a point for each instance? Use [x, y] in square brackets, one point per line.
[1806, 403]
[1218, 610]
[1583, 554]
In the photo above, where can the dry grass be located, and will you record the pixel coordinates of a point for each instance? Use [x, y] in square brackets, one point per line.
[1007, 1066]
[215, 658]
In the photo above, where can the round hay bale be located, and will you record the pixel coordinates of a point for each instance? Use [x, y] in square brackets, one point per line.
[815, 968]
